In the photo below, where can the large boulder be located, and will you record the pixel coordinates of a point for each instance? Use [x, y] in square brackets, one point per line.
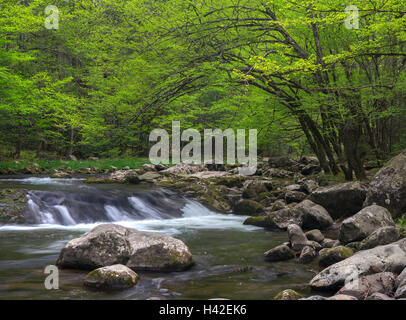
[282, 218]
[391, 258]
[341, 200]
[294, 196]
[380, 237]
[117, 276]
[110, 244]
[279, 253]
[313, 215]
[388, 188]
[365, 222]
[315, 235]
[383, 282]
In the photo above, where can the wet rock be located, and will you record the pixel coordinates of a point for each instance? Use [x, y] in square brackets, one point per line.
[110, 244]
[391, 258]
[315, 235]
[383, 282]
[132, 178]
[248, 208]
[297, 238]
[288, 294]
[388, 188]
[259, 221]
[282, 218]
[379, 237]
[401, 285]
[331, 256]
[294, 196]
[112, 277]
[313, 216]
[307, 255]
[279, 253]
[341, 200]
[365, 222]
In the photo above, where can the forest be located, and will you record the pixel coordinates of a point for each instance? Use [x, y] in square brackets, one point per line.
[93, 78]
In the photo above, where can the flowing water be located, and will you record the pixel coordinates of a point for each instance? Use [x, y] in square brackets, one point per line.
[63, 209]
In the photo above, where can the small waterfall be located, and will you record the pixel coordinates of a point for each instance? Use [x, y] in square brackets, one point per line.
[93, 205]
[66, 217]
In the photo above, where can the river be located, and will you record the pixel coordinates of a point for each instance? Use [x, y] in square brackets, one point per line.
[222, 246]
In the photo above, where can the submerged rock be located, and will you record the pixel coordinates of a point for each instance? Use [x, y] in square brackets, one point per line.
[110, 244]
[365, 222]
[388, 188]
[341, 200]
[116, 276]
[391, 258]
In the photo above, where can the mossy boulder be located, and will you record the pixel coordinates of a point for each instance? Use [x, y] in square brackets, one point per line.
[248, 208]
[110, 244]
[112, 277]
[288, 294]
[331, 256]
[259, 221]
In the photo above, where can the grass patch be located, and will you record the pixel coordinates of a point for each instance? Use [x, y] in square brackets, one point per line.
[106, 164]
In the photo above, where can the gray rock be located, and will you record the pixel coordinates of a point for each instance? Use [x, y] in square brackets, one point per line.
[110, 244]
[401, 285]
[383, 282]
[281, 219]
[293, 187]
[307, 255]
[379, 296]
[388, 188]
[294, 196]
[315, 235]
[331, 256]
[308, 185]
[297, 238]
[116, 276]
[365, 222]
[342, 297]
[330, 243]
[279, 253]
[253, 190]
[149, 175]
[379, 237]
[313, 216]
[391, 258]
[341, 200]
